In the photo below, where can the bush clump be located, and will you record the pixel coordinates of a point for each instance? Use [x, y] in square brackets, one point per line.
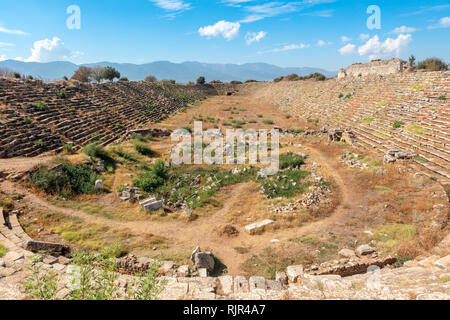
[153, 179]
[68, 148]
[398, 124]
[40, 106]
[290, 160]
[143, 149]
[94, 150]
[286, 184]
[432, 64]
[68, 180]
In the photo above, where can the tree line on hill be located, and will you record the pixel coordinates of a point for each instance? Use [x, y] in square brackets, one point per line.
[98, 74]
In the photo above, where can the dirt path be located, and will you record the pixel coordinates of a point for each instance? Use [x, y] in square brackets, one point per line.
[20, 165]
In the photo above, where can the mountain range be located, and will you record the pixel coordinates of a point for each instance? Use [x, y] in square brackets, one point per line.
[181, 72]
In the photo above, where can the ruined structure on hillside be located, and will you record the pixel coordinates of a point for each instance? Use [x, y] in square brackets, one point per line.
[376, 67]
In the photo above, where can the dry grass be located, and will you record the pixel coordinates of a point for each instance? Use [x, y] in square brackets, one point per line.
[57, 227]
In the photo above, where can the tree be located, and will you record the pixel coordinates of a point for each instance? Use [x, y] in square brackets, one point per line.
[109, 73]
[412, 61]
[151, 79]
[83, 74]
[201, 80]
[96, 73]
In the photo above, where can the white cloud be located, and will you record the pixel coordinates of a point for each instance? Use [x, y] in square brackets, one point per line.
[14, 32]
[348, 49]
[3, 57]
[364, 36]
[275, 8]
[288, 47]
[345, 39]
[228, 30]
[322, 43]
[235, 3]
[403, 29]
[428, 9]
[390, 47]
[443, 23]
[172, 5]
[49, 50]
[320, 13]
[252, 37]
[6, 44]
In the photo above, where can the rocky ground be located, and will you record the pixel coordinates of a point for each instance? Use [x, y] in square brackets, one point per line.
[421, 279]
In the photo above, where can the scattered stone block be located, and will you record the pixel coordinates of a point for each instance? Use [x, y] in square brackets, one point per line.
[258, 226]
[11, 257]
[294, 272]
[257, 283]
[99, 185]
[183, 271]
[63, 260]
[151, 204]
[50, 260]
[203, 272]
[241, 285]
[443, 263]
[281, 277]
[347, 253]
[41, 246]
[364, 250]
[204, 260]
[226, 283]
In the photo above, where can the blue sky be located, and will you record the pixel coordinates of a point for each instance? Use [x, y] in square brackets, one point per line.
[329, 34]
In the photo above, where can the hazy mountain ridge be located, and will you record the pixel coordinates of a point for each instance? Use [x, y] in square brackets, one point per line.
[181, 72]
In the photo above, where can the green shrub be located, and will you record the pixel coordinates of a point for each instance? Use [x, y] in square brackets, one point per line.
[279, 79]
[341, 95]
[2, 250]
[442, 98]
[40, 143]
[201, 80]
[26, 120]
[93, 279]
[268, 122]
[236, 82]
[398, 124]
[125, 155]
[40, 106]
[68, 148]
[94, 150]
[62, 94]
[432, 64]
[40, 284]
[143, 149]
[150, 181]
[293, 77]
[290, 160]
[286, 184]
[68, 181]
